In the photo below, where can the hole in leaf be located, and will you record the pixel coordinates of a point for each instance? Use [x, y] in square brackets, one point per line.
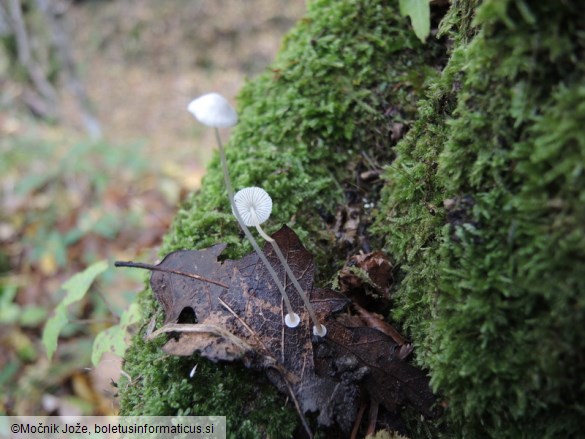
[187, 316]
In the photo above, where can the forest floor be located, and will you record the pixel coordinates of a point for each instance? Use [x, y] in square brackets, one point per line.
[67, 201]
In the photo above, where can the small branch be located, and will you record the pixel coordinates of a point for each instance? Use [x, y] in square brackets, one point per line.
[199, 328]
[373, 417]
[358, 421]
[168, 270]
[93, 321]
[232, 312]
[299, 411]
[25, 56]
[61, 42]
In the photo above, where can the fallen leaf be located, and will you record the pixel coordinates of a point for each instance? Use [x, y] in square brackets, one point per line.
[374, 321]
[372, 270]
[347, 223]
[211, 341]
[388, 380]
[239, 316]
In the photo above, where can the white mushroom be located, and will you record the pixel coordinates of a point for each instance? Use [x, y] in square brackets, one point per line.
[213, 110]
[254, 206]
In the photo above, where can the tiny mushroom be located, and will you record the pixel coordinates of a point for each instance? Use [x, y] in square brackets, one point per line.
[254, 206]
[215, 111]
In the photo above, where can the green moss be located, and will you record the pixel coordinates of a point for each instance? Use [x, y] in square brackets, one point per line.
[301, 122]
[492, 291]
[323, 101]
[491, 285]
[249, 403]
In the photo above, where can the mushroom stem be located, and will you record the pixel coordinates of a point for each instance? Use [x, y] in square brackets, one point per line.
[260, 229]
[291, 319]
[318, 328]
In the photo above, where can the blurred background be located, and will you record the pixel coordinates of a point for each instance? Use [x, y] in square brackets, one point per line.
[96, 152]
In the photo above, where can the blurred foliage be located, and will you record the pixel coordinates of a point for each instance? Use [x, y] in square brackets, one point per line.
[75, 290]
[50, 183]
[28, 316]
[115, 339]
[419, 12]
[66, 204]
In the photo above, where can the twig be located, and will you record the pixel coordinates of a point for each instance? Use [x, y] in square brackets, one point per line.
[92, 321]
[198, 328]
[358, 421]
[298, 407]
[373, 417]
[61, 43]
[168, 270]
[232, 312]
[25, 58]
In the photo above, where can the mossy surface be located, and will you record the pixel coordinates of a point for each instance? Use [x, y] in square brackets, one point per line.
[484, 210]
[325, 98]
[339, 70]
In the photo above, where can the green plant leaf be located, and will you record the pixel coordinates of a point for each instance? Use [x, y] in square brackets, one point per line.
[9, 314]
[132, 315]
[32, 316]
[113, 339]
[53, 328]
[76, 287]
[7, 294]
[109, 340]
[420, 16]
[79, 284]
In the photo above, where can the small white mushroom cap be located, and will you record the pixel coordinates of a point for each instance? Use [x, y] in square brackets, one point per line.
[292, 320]
[253, 199]
[320, 331]
[213, 110]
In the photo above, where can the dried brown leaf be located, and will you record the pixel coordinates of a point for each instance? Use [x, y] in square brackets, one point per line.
[373, 270]
[240, 317]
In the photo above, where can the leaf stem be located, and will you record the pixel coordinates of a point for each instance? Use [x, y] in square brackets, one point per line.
[168, 270]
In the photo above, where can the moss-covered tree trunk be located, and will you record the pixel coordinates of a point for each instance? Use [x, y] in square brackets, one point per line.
[482, 210]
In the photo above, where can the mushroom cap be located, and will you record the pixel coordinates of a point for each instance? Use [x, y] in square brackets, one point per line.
[253, 198]
[213, 110]
[320, 331]
[292, 320]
